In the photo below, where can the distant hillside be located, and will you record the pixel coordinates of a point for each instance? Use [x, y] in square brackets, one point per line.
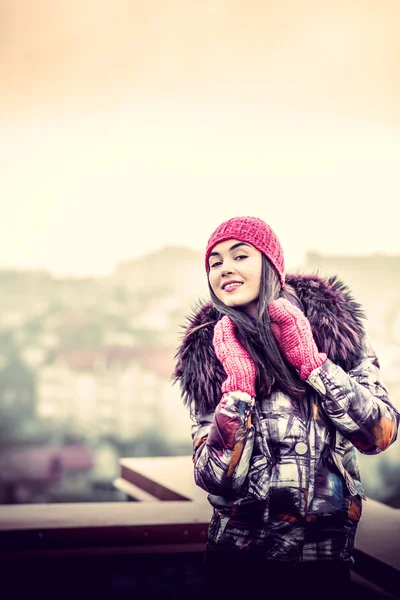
[31, 290]
[176, 269]
[171, 269]
[144, 302]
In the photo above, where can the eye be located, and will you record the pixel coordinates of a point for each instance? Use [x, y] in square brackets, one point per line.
[215, 264]
[241, 256]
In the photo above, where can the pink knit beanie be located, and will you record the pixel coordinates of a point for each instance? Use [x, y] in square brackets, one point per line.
[254, 231]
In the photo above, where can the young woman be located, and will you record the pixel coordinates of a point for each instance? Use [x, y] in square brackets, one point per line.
[283, 386]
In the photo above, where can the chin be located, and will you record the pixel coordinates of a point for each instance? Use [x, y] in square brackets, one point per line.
[240, 305]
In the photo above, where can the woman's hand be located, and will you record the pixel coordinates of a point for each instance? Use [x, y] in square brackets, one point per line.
[292, 331]
[237, 362]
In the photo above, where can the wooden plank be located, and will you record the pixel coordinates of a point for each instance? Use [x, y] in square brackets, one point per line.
[133, 491]
[174, 473]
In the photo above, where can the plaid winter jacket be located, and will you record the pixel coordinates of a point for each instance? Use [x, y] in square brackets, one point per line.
[282, 474]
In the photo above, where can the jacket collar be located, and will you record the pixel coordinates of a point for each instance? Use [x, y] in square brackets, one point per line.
[336, 321]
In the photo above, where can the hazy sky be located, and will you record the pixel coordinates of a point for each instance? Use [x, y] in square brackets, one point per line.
[127, 126]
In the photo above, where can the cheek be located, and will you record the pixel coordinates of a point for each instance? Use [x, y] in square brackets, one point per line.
[212, 282]
[255, 279]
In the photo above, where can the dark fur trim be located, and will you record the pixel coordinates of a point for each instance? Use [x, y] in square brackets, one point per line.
[336, 320]
[198, 370]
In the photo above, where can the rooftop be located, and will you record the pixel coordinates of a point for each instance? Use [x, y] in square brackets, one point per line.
[154, 542]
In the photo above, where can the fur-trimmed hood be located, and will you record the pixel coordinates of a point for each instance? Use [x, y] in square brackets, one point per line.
[336, 321]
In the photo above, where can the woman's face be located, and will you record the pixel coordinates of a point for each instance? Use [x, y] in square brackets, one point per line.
[235, 274]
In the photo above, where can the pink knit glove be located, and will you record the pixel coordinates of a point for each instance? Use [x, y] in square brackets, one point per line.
[237, 362]
[292, 331]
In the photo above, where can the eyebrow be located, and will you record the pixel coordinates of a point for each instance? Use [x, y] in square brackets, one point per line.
[231, 248]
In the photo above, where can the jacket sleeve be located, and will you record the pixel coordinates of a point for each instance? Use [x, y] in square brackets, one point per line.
[223, 444]
[357, 402]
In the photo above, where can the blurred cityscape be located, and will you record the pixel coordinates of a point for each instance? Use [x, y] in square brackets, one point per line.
[85, 367]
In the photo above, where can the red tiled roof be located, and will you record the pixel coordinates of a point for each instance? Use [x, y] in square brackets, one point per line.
[31, 464]
[87, 358]
[76, 458]
[158, 359]
[43, 463]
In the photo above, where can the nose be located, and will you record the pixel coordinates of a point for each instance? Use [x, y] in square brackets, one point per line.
[228, 268]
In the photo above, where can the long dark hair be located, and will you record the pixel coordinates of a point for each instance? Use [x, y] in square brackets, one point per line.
[273, 371]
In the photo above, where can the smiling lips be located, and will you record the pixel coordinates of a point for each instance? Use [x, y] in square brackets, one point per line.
[231, 286]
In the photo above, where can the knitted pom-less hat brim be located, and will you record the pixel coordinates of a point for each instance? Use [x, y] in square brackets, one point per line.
[254, 231]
